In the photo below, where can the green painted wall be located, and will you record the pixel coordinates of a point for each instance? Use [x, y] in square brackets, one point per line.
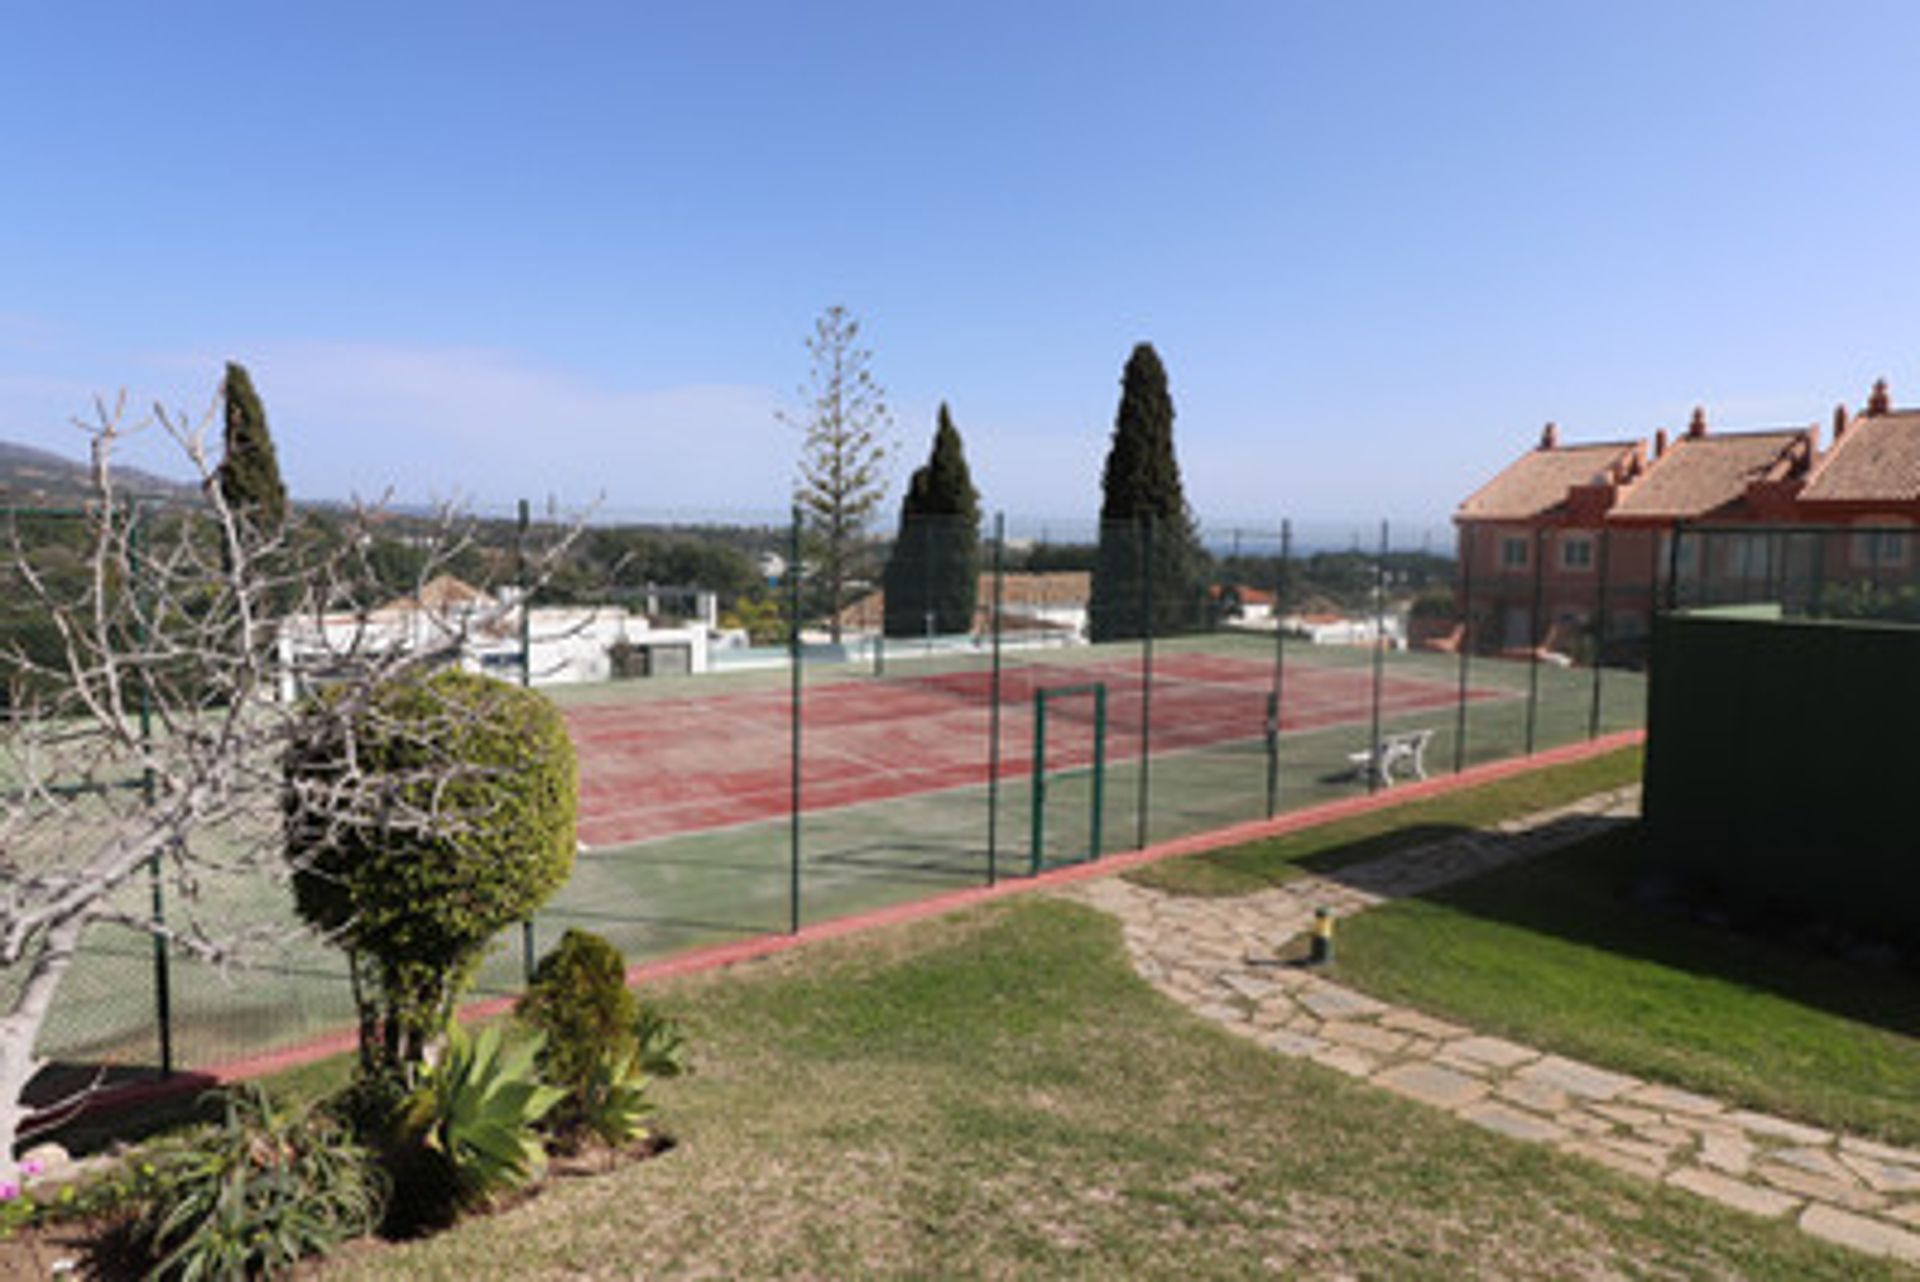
[1783, 765]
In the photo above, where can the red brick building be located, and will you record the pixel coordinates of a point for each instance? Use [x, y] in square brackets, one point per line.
[1568, 533]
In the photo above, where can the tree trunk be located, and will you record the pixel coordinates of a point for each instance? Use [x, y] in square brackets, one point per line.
[20, 1029]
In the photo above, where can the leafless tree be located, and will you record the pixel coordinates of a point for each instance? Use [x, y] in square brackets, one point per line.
[148, 740]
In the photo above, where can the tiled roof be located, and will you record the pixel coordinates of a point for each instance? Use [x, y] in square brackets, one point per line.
[1700, 475]
[1877, 460]
[1537, 482]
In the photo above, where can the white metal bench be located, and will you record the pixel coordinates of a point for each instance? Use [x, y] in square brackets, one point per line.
[1406, 749]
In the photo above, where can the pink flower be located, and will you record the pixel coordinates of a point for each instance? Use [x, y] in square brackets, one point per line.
[31, 1168]
[8, 1190]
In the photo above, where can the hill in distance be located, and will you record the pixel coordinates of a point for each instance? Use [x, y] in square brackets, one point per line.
[31, 477]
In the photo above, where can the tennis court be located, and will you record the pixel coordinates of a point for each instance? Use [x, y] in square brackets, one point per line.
[679, 765]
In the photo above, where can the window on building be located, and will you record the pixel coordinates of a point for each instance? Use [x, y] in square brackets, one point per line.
[1749, 556]
[1576, 552]
[1513, 552]
[1880, 547]
[1688, 565]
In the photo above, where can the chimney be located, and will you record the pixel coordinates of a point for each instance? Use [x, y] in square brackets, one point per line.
[1550, 436]
[1660, 442]
[1840, 422]
[1880, 402]
[1697, 425]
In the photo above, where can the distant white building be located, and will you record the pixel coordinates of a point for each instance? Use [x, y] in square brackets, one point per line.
[1340, 629]
[554, 644]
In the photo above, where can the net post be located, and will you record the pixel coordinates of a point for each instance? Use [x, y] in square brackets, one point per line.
[1099, 768]
[1533, 648]
[1038, 835]
[1144, 805]
[793, 664]
[1375, 772]
[993, 706]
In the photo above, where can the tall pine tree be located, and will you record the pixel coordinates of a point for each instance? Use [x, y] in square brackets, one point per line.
[1150, 556]
[932, 574]
[249, 474]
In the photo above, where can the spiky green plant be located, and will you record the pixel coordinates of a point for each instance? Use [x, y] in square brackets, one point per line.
[476, 1113]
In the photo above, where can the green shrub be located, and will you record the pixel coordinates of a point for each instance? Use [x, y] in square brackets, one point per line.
[612, 1105]
[468, 1132]
[254, 1194]
[662, 1046]
[579, 1000]
[460, 793]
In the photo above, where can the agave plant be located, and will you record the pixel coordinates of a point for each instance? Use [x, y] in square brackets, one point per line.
[477, 1111]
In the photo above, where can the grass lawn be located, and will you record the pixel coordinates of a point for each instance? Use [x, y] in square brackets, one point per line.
[995, 1093]
[1553, 953]
[1241, 870]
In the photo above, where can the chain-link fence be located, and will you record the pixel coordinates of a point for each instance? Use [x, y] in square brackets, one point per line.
[773, 733]
[1853, 572]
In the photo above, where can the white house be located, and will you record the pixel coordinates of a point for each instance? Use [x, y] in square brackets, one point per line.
[555, 644]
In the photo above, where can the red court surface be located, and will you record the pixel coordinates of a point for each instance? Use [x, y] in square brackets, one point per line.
[658, 768]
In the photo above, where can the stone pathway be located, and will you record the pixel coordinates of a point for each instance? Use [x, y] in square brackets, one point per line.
[1218, 957]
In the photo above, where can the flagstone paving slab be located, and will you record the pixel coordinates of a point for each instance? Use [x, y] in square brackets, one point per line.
[1221, 957]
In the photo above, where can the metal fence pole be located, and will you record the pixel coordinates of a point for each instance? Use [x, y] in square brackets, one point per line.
[526, 680]
[1274, 702]
[1375, 772]
[1533, 650]
[993, 704]
[793, 663]
[1466, 647]
[1144, 806]
[162, 959]
[1600, 630]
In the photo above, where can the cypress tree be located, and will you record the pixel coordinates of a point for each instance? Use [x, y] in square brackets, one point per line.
[249, 474]
[1146, 529]
[932, 574]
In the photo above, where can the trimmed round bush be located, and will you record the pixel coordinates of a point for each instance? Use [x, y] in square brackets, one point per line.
[461, 795]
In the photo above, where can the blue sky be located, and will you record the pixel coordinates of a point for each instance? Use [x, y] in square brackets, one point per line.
[489, 250]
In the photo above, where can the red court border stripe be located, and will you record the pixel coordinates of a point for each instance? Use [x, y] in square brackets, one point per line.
[718, 956]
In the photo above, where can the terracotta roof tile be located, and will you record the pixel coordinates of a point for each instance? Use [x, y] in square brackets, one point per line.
[1877, 460]
[1537, 482]
[1702, 475]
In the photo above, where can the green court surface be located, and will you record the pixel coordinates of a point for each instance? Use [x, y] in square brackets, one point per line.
[732, 880]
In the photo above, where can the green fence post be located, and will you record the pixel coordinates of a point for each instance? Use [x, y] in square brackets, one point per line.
[1374, 771]
[1274, 702]
[1099, 765]
[526, 682]
[993, 707]
[1599, 631]
[1533, 649]
[793, 662]
[1144, 807]
[162, 958]
[1466, 647]
[1038, 836]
